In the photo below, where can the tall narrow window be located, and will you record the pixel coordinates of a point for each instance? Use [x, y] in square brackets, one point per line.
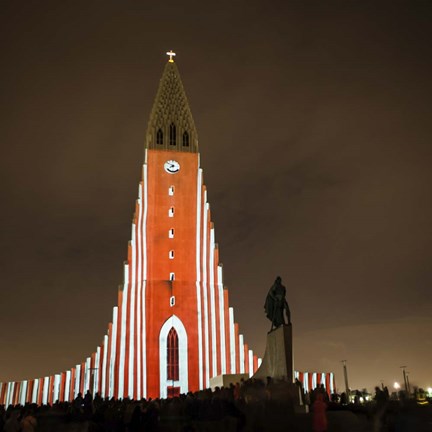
[185, 139]
[159, 137]
[172, 134]
[172, 276]
[171, 191]
[171, 254]
[171, 233]
[171, 212]
[173, 355]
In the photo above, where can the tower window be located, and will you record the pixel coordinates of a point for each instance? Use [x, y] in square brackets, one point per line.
[159, 136]
[172, 276]
[173, 355]
[171, 212]
[185, 139]
[171, 191]
[171, 254]
[172, 134]
[171, 233]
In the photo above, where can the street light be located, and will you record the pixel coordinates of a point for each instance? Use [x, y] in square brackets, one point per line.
[396, 386]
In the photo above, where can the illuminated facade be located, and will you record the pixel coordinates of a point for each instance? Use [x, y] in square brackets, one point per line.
[172, 329]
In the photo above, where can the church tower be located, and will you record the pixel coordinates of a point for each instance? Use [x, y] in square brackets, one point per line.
[172, 330]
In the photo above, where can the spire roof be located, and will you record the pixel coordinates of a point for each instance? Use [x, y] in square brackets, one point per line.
[171, 126]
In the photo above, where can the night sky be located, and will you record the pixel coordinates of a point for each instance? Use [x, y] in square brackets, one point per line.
[314, 122]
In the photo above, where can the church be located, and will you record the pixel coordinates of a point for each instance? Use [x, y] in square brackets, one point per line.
[172, 329]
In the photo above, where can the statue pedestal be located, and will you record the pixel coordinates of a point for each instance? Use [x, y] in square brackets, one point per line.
[278, 356]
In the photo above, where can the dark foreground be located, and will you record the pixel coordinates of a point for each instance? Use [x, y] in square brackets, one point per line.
[254, 407]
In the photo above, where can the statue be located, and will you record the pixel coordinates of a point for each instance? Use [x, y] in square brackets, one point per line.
[276, 304]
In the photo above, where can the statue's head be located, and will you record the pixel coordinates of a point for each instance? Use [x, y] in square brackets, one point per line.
[278, 279]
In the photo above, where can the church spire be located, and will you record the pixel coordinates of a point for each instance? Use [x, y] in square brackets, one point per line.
[171, 126]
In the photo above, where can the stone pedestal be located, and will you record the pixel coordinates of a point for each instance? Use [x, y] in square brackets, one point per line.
[226, 380]
[278, 357]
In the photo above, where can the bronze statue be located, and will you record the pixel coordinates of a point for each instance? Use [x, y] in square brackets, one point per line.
[276, 304]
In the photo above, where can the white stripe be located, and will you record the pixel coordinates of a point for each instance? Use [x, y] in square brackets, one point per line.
[67, 386]
[222, 320]
[139, 292]
[212, 301]
[198, 279]
[45, 391]
[332, 390]
[123, 331]
[104, 366]
[132, 317]
[204, 279]
[143, 294]
[97, 372]
[9, 394]
[56, 388]
[77, 380]
[35, 391]
[87, 372]
[232, 340]
[241, 354]
[259, 361]
[113, 353]
[250, 363]
[23, 391]
[175, 322]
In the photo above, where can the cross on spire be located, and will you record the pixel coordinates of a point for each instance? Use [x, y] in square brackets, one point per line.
[171, 54]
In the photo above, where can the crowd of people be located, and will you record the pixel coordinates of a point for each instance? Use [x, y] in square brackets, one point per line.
[253, 406]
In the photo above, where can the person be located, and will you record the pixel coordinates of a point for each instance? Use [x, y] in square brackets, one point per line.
[319, 407]
[276, 304]
[29, 422]
[12, 424]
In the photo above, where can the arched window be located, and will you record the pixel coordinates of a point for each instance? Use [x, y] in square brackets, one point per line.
[185, 139]
[172, 134]
[159, 137]
[172, 355]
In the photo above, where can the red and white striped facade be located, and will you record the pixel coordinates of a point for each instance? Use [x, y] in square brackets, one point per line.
[172, 280]
[172, 329]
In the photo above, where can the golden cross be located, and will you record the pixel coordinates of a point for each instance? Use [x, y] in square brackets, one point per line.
[170, 53]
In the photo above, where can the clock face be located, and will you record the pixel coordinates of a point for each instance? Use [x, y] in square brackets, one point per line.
[172, 167]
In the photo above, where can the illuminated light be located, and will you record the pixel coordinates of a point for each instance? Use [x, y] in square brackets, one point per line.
[45, 390]
[232, 340]
[222, 320]
[171, 54]
[35, 391]
[131, 287]
[212, 300]
[259, 361]
[143, 349]
[205, 297]
[123, 330]
[198, 276]
[361, 399]
[113, 337]
[77, 380]
[23, 392]
[396, 386]
[56, 389]
[182, 382]
[250, 363]
[67, 385]
[241, 352]
[104, 366]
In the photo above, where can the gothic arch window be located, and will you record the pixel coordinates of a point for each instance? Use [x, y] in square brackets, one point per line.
[185, 139]
[172, 134]
[172, 355]
[159, 136]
